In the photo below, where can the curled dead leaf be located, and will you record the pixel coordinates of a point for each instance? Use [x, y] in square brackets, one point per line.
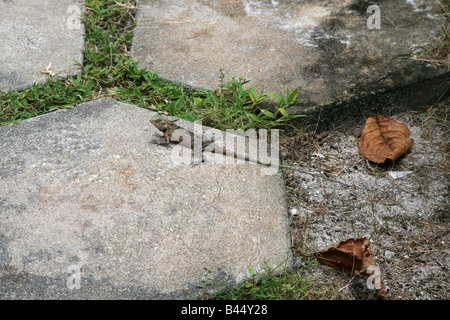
[383, 138]
[353, 255]
[48, 70]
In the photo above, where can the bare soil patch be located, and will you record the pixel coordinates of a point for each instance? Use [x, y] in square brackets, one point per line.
[402, 207]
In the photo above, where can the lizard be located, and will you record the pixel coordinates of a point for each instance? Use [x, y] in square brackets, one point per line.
[168, 128]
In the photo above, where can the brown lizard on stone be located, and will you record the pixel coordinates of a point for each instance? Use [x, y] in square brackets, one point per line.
[188, 139]
[166, 126]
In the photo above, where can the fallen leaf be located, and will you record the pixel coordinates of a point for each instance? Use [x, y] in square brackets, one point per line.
[383, 138]
[419, 248]
[352, 255]
[48, 70]
[217, 91]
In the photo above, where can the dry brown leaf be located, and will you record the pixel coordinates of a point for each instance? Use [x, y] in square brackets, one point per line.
[351, 255]
[383, 138]
[48, 70]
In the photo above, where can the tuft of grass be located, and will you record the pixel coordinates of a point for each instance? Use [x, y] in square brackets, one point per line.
[231, 105]
[275, 283]
[43, 98]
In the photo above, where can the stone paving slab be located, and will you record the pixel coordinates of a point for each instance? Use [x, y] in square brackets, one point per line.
[35, 33]
[323, 47]
[84, 188]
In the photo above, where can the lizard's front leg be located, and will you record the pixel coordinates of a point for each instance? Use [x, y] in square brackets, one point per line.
[161, 140]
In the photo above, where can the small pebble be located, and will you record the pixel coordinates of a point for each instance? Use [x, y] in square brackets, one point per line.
[389, 254]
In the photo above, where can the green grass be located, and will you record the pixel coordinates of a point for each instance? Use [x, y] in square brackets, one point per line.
[109, 71]
[274, 283]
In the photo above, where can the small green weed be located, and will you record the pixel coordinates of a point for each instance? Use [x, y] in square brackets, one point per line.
[276, 283]
[233, 106]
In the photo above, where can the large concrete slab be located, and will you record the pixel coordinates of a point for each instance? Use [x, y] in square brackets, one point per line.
[323, 47]
[35, 33]
[85, 188]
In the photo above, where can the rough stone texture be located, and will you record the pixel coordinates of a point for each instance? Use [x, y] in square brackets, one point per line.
[85, 187]
[35, 33]
[323, 47]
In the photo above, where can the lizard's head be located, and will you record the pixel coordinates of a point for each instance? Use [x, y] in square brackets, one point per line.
[156, 118]
[159, 122]
[164, 125]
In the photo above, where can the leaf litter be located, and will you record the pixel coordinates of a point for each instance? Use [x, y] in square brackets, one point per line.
[400, 206]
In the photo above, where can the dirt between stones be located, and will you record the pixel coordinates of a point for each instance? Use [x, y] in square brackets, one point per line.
[336, 194]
